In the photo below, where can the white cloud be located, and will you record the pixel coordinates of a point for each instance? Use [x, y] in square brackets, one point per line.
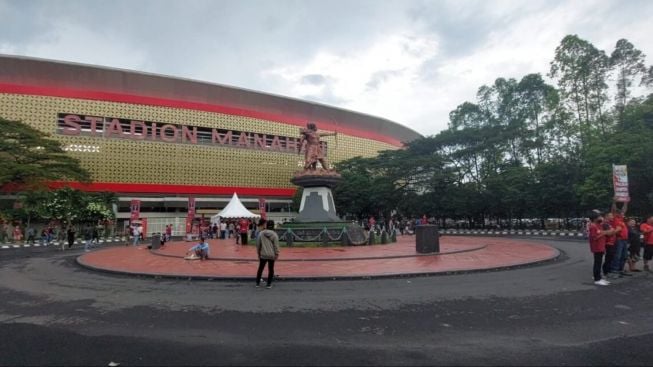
[382, 79]
[78, 43]
[411, 61]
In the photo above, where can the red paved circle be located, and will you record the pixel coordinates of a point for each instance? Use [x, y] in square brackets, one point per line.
[231, 261]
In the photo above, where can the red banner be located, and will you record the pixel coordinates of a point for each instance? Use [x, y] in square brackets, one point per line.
[191, 214]
[261, 207]
[144, 227]
[135, 209]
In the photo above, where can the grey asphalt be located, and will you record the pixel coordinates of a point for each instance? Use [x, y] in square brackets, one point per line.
[53, 312]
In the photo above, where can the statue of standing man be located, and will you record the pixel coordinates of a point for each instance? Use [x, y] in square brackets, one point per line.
[310, 137]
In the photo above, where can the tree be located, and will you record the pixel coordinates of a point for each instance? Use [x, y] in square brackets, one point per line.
[581, 70]
[69, 206]
[647, 79]
[29, 158]
[522, 149]
[628, 63]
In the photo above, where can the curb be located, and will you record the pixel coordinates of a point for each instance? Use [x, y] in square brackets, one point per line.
[8, 246]
[476, 248]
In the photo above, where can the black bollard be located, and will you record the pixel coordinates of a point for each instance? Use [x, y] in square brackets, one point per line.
[427, 239]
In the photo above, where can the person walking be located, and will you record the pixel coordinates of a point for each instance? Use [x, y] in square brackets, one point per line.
[18, 234]
[223, 230]
[267, 248]
[88, 237]
[168, 232]
[137, 234]
[31, 235]
[95, 239]
[71, 236]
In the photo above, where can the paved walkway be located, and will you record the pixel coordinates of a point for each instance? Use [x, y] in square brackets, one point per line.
[230, 261]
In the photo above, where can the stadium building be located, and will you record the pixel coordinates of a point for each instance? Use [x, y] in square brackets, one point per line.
[161, 140]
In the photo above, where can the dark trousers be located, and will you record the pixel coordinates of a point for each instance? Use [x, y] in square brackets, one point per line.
[598, 260]
[609, 255]
[261, 265]
[243, 238]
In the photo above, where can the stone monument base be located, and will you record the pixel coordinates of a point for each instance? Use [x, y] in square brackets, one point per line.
[317, 203]
[344, 233]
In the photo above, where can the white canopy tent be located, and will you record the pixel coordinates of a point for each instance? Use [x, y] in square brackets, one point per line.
[235, 209]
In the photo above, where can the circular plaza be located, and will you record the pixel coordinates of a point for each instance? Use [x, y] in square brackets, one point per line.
[229, 261]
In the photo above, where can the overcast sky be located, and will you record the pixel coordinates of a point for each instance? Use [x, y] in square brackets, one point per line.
[408, 61]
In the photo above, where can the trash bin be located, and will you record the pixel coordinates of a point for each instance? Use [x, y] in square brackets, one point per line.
[156, 241]
[427, 239]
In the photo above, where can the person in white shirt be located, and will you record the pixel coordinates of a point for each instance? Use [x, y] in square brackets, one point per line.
[137, 234]
[223, 230]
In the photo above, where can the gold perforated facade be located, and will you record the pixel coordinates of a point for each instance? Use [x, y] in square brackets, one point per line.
[154, 162]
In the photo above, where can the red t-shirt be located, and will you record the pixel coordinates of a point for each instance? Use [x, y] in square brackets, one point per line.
[648, 237]
[623, 232]
[244, 225]
[611, 239]
[597, 244]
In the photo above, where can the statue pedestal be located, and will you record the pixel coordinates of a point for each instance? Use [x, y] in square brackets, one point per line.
[317, 200]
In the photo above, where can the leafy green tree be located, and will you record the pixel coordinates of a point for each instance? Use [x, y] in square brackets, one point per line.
[29, 158]
[581, 71]
[522, 149]
[629, 64]
[73, 206]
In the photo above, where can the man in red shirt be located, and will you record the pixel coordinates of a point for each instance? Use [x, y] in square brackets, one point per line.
[610, 247]
[597, 246]
[647, 231]
[168, 232]
[244, 227]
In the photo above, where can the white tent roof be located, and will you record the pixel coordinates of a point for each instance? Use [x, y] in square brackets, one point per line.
[235, 209]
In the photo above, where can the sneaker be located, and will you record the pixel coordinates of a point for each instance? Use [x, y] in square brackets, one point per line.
[258, 286]
[625, 274]
[602, 282]
[269, 286]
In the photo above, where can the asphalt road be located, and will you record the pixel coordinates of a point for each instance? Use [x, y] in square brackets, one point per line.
[53, 312]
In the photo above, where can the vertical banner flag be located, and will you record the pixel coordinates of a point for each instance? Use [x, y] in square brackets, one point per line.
[620, 181]
[144, 224]
[191, 214]
[135, 209]
[261, 207]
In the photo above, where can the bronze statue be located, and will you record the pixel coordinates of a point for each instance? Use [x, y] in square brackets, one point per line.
[310, 137]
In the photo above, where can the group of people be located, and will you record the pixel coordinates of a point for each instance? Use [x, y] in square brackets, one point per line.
[46, 235]
[241, 229]
[616, 241]
[267, 249]
[64, 234]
